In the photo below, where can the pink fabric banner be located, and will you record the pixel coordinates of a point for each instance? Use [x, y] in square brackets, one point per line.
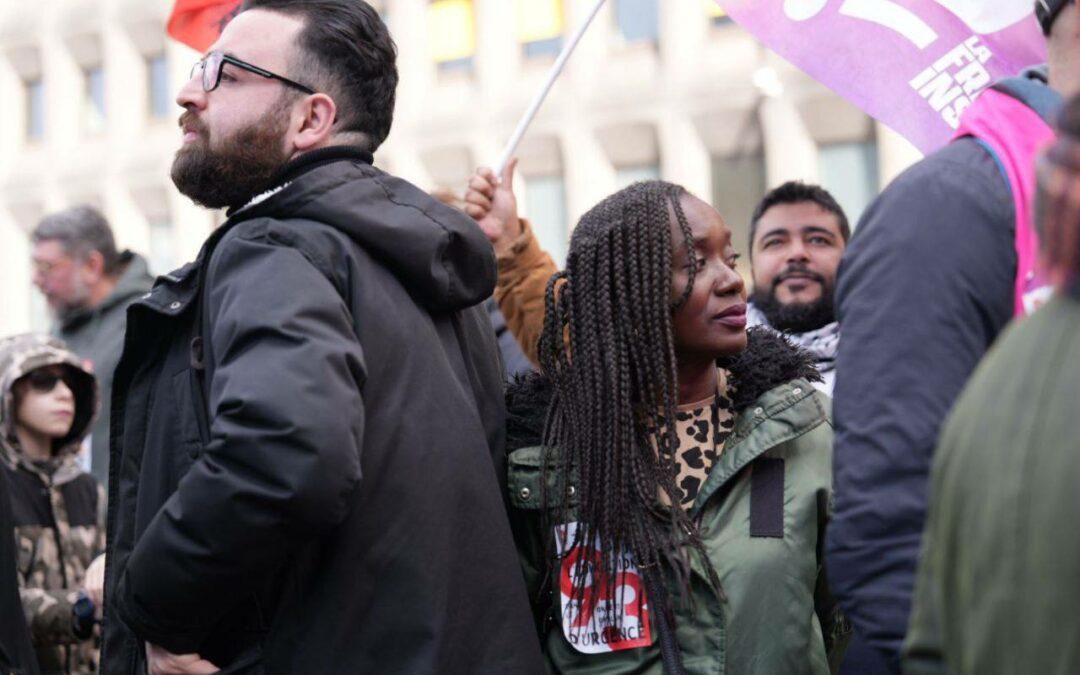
[913, 64]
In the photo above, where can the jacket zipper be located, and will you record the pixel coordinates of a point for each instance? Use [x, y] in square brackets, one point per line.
[670, 655]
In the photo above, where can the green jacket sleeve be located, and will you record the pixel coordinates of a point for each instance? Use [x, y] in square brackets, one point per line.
[923, 652]
[835, 628]
[527, 522]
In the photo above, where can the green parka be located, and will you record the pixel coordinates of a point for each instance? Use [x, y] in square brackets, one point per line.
[998, 579]
[778, 618]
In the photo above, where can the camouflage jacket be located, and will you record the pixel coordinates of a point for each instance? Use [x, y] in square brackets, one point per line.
[58, 510]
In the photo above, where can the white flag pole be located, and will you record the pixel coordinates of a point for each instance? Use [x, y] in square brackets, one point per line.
[534, 107]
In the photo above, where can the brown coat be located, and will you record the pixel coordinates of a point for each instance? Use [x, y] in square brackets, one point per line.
[524, 271]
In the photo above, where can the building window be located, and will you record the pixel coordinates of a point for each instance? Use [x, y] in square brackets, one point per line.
[540, 27]
[738, 183]
[35, 110]
[94, 112]
[850, 172]
[157, 74]
[543, 48]
[545, 206]
[452, 35]
[382, 7]
[162, 247]
[638, 20]
[716, 14]
[626, 175]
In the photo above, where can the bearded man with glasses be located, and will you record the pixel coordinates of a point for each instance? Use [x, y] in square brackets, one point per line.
[308, 423]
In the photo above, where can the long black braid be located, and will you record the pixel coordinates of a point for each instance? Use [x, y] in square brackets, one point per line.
[608, 347]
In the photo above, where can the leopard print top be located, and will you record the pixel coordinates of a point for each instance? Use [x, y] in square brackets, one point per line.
[702, 429]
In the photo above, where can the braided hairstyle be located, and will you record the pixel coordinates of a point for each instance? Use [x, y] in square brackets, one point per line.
[607, 346]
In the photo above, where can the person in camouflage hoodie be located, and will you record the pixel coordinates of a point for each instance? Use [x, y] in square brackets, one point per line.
[49, 402]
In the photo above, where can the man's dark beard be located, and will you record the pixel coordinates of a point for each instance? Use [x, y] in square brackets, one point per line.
[229, 176]
[796, 317]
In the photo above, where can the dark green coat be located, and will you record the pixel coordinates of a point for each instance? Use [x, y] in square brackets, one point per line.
[96, 334]
[1000, 571]
[772, 621]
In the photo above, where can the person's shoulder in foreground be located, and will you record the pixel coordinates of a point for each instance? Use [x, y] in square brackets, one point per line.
[924, 288]
[1005, 474]
[1003, 483]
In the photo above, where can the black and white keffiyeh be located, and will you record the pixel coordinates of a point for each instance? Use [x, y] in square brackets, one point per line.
[821, 343]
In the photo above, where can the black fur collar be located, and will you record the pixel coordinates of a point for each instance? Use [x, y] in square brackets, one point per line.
[768, 361]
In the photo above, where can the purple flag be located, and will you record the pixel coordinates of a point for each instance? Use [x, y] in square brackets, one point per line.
[912, 64]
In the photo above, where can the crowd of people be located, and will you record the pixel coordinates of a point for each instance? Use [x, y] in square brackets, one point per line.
[370, 429]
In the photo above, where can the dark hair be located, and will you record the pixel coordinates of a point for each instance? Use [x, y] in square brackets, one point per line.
[608, 347]
[346, 51]
[80, 230]
[1057, 209]
[796, 192]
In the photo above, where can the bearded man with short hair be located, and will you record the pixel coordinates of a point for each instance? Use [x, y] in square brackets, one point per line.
[797, 234]
[308, 436]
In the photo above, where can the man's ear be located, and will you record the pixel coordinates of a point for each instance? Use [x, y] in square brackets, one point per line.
[93, 267]
[313, 119]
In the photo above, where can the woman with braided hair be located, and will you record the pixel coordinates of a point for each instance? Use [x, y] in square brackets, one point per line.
[669, 474]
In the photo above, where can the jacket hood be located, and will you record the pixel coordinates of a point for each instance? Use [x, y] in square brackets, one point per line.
[134, 281]
[439, 253]
[768, 361]
[1032, 87]
[21, 354]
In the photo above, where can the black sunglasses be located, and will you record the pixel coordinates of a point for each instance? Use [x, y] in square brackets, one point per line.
[44, 381]
[213, 63]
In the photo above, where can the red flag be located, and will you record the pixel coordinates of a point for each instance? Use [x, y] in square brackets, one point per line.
[198, 23]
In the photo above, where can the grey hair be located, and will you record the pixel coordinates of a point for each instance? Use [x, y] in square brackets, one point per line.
[80, 230]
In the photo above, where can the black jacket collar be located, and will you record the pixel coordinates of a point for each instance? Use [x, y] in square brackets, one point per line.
[316, 158]
[308, 161]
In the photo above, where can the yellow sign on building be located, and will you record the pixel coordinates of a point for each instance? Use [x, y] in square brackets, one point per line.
[713, 8]
[451, 30]
[539, 20]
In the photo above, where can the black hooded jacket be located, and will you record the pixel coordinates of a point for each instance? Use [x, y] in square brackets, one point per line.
[16, 651]
[346, 514]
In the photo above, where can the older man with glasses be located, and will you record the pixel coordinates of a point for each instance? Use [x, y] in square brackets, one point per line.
[89, 284]
[308, 441]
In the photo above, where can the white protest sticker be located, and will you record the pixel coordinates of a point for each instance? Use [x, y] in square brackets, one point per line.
[1036, 298]
[603, 619]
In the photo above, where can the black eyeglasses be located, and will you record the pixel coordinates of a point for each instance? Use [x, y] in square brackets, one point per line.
[213, 63]
[43, 381]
